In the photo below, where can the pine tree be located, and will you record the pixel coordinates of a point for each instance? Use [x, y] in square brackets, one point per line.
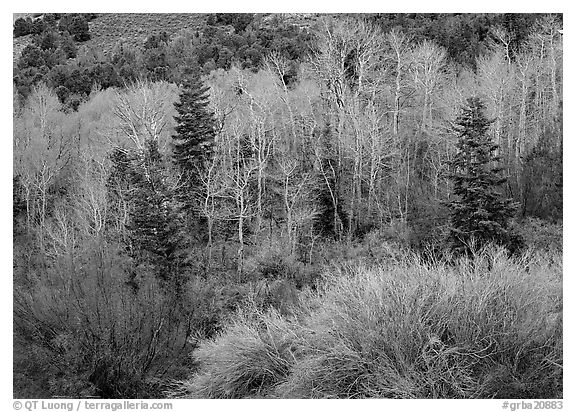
[193, 142]
[480, 213]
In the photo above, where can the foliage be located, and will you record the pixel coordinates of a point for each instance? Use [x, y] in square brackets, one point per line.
[479, 213]
[79, 29]
[49, 53]
[154, 224]
[193, 143]
[22, 26]
[464, 35]
[540, 234]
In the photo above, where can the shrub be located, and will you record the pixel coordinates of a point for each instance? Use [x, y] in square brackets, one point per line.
[376, 247]
[254, 353]
[491, 327]
[540, 234]
[272, 260]
[90, 333]
[280, 294]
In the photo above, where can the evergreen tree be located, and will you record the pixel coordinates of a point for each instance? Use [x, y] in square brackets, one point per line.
[154, 222]
[480, 213]
[22, 27]
[79, 29]
[193, 142]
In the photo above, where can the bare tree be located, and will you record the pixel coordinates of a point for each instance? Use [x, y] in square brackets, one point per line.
[143, 112]
[297, 197]
[238, 168]
[427, 62]
[91, 202]
[400, 45]
[260, 131]
[41, 151]
[213, 187]
[503, 38]
[496, 83]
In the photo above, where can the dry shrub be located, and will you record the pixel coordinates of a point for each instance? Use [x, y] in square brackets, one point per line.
[256, 351]
[486, 328]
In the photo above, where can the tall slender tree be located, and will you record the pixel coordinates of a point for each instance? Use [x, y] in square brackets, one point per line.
[480, 212]
[193, 147]
[193, 142]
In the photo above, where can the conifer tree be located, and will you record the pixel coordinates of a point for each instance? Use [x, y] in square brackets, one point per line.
[480, 213]
[154, 223]
[195, 131]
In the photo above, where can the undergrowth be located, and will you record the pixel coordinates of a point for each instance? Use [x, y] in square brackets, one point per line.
[484, 328]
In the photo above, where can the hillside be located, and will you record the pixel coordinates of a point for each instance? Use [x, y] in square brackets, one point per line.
[108, 29]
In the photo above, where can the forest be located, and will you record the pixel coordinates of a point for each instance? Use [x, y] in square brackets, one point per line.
[289, 206]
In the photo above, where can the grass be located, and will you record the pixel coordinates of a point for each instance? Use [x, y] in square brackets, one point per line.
[483, 329]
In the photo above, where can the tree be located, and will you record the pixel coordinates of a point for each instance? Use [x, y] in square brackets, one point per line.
[37, 26]
[332, 219]
[399, 45]
[31, 56]
[154, 227]
[79, 29]
[117, 189]
[142, 112]
[427, 61]
[67, 45]
[42, 152]
[22, 27]
[193, 142]
[480, 213]
[542, 178]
